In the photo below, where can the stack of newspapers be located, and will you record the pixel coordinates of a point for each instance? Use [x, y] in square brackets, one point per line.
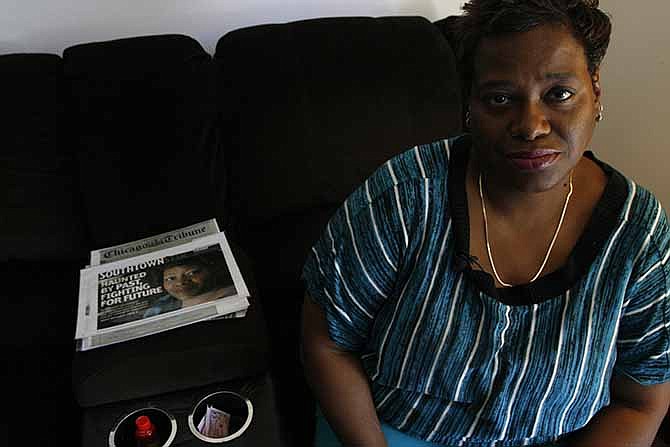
[158, 283]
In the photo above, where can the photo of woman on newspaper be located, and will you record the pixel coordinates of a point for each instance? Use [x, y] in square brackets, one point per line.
[190, 279]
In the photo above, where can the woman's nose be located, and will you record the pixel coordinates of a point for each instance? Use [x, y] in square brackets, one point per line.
[530, 122]
[186, 279]
[180, 280]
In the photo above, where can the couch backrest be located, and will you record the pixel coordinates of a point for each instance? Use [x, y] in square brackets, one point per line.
[308, 110]
[313, 107]
[40, 206]
[147, 146]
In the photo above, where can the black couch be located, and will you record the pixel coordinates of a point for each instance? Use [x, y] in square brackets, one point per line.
[119, 140]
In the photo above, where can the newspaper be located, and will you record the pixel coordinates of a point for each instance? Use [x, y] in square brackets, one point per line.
[157, 242]
[153, 243]
[161, 289]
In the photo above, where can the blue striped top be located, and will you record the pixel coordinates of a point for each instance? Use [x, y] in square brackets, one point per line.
[454, 361]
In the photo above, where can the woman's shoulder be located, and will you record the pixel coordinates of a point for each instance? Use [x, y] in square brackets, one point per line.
[163, 303]
[414, 165]
[643, 220]
[652, 219]
[397, 188]
[631, 202]
[644, 212]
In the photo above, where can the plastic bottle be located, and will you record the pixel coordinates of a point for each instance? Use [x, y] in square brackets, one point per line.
[145, 433]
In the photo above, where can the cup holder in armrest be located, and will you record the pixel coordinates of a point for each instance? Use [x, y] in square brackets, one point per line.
[123, 433]
[238, 414]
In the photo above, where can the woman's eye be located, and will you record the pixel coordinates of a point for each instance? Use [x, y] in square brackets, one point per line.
[560, 94]
[498, 99]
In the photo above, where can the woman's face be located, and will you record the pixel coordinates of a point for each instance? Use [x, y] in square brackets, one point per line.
[533, 105]
[186, 281]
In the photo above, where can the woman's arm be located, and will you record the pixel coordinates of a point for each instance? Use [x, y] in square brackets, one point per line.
[339, 383]
[632, 418]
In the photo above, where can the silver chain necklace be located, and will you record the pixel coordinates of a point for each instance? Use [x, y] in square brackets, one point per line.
[551, 246]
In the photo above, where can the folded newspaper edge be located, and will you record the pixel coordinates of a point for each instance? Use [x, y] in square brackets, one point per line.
[89, 336]
[153, 243]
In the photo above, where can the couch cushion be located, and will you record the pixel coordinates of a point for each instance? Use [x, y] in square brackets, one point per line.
[311, 108]
[147, 145]
[39, 303]
[36, 339]
[178, 359]
[40, 214]
[37, 386]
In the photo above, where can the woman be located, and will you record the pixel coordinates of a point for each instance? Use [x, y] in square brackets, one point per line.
[504, 287]
[189, 281]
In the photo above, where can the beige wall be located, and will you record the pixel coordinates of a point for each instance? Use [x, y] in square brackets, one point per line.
[52, 25]
[636, 94]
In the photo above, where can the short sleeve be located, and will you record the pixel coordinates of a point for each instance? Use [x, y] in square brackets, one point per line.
[352, 268]
[643, 342]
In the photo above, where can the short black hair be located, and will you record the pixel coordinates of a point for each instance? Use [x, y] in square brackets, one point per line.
[212, 261]
[485, 18]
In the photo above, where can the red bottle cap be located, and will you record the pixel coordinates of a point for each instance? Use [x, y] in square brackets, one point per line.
[144, 426]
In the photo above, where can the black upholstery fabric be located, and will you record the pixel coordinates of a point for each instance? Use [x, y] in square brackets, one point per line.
[313, 107]
[40, 213]
[178, 359]
[448, 28]
[36, 339]
[39, 301]
[147, 146]
[310, 109]
[42, 243]
[36, 383]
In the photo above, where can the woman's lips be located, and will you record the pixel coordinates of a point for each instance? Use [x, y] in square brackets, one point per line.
[533, 160]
